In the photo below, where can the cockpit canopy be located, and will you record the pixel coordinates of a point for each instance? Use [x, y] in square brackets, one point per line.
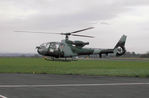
[51, 45]
[53, 49]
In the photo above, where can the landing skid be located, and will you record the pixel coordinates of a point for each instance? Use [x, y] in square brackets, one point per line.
[59, 59]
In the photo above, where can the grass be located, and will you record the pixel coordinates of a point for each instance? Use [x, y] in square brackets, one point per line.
[80, 67]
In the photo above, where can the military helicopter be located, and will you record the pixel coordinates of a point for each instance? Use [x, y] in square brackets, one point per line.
[68, 49]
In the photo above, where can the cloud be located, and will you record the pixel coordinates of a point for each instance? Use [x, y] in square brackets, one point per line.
[68, 15]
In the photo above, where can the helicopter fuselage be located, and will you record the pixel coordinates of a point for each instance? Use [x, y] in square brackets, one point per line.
[67, 48]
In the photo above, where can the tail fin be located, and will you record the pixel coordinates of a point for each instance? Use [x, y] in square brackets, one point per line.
[119, 48]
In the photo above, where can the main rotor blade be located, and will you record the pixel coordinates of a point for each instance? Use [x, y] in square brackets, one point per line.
[82, 35]
[37, 32]
[82, 30]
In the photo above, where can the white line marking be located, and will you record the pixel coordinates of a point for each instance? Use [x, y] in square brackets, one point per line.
[73, 85]
[2, 96]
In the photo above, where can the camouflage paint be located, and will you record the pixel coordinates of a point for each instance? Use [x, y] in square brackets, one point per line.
[68, 48]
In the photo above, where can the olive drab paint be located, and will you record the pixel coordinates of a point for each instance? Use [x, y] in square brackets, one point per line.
[67, 48]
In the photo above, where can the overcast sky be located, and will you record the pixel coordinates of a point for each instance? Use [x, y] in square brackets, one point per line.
[111, 19]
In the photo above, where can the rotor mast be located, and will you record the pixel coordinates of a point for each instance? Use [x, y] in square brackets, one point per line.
[66, 37]
[73, 33]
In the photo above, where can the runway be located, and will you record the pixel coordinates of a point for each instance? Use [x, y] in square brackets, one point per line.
[71, 86]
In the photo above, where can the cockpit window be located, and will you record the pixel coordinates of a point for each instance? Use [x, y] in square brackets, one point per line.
[54, 45]
[45, 45]
[57, 46]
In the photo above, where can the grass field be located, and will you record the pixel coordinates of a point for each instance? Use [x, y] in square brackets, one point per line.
[80, 67]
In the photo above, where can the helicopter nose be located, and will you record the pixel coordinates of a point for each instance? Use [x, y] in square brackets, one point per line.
[39, 50]
[42, 50]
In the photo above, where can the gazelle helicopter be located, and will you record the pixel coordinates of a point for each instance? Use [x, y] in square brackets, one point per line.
[68, 49]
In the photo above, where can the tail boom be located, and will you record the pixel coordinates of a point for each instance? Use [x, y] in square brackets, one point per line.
[118, 50]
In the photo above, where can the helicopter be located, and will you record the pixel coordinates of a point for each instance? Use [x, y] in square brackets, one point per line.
[69, 49]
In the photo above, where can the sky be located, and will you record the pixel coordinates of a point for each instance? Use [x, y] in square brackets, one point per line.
[111, 19]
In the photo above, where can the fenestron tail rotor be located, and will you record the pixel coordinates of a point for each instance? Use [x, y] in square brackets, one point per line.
[66, 34]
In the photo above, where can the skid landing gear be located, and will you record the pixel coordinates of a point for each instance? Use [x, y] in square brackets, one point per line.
[59, 59]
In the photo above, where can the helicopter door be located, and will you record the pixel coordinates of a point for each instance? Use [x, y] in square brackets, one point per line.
[56, 47]
[52, 47]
